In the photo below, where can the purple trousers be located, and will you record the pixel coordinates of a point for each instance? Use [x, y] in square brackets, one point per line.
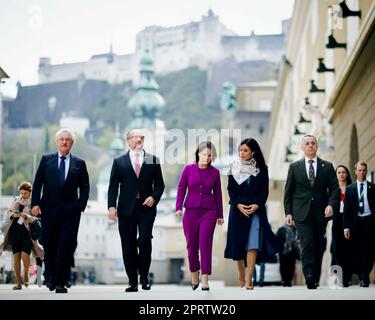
[199, 225]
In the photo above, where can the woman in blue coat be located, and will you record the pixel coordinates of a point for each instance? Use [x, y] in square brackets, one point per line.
[249, 238]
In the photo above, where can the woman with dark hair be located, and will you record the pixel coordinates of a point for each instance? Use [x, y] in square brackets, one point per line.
[17, 237]
[340, 247]
[203, 209]
[249, 237]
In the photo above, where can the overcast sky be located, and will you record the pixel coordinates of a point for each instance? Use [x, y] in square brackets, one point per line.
[74, 30]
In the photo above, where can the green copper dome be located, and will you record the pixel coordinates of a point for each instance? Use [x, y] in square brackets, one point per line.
[147, 103]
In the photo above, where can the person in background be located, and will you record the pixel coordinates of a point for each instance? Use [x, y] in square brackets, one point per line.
[359, 225]
[17, 237]
[288, 256]
[340, 247]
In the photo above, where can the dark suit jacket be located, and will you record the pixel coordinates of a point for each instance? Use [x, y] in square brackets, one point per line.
[149, 183]
[351, 204]
[56, 197]
[299, 195]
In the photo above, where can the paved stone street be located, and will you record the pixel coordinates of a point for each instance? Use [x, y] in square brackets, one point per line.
[173, 292]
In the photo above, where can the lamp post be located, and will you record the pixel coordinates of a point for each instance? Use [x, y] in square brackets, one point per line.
[3, 75]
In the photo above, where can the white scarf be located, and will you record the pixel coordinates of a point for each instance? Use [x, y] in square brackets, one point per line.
[26, 203]
[243, 169]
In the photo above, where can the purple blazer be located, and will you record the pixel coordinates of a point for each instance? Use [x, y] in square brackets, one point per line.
[206, 195]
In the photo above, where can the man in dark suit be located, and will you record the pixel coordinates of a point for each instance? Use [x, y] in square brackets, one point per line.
[139, 176]
[60, 175]
[311, 193]
[359, 225]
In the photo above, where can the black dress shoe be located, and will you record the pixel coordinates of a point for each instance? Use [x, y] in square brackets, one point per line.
[132, 288]
[146, 285]
[205, 288]
[68, 284]
[61, 289]
[194, 286]
[51, 285]
[364, 284]
[310, 282]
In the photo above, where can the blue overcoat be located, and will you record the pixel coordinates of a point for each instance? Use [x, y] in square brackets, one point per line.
[252, 191]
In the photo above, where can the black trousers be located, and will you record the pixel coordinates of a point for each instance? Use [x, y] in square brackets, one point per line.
[340, 248]
[136, 251]
[363, 247]
[312, 233]
[287, 267]
[59, 238]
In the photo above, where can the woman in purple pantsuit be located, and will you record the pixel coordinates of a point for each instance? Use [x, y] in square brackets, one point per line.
[203, 208]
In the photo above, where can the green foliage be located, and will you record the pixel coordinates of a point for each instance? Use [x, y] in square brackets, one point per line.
[19, 162]
[184, 95]
[113, 108]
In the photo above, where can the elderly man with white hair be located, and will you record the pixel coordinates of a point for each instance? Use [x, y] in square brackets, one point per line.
[64, 179]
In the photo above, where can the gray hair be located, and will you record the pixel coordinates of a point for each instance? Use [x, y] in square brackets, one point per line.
[65, 130]
[130, 133]
[308, 136]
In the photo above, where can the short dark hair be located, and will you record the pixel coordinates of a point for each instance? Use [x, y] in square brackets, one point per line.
[205, 145]
[348, 178]
[25, 186]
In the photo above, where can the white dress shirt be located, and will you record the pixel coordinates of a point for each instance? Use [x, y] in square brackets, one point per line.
[132, 157]
[367, 210]
[307, 165]
[67, 163]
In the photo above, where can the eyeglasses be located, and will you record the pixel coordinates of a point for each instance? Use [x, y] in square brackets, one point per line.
[137, 137]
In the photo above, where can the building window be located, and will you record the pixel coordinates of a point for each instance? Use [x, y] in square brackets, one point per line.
[265, 105]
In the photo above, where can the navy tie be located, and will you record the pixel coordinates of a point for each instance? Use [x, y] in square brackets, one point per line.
[361, 200]
[62, 170]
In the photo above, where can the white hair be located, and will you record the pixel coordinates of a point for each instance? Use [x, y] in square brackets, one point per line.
[65, 130]
[130, 133]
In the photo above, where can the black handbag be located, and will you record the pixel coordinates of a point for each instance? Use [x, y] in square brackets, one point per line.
[36, 229]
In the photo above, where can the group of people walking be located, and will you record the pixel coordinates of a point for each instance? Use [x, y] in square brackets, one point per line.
[312, 197]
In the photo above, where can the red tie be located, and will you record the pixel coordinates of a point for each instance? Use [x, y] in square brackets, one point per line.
[137, 165]
[137, 169]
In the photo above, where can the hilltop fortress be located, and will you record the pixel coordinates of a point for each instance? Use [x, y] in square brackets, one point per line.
[199, 44]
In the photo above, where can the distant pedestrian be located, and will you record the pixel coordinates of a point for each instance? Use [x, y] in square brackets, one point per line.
[359, 223]
[17, 237]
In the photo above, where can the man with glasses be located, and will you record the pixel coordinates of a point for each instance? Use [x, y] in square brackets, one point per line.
[139, 177]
